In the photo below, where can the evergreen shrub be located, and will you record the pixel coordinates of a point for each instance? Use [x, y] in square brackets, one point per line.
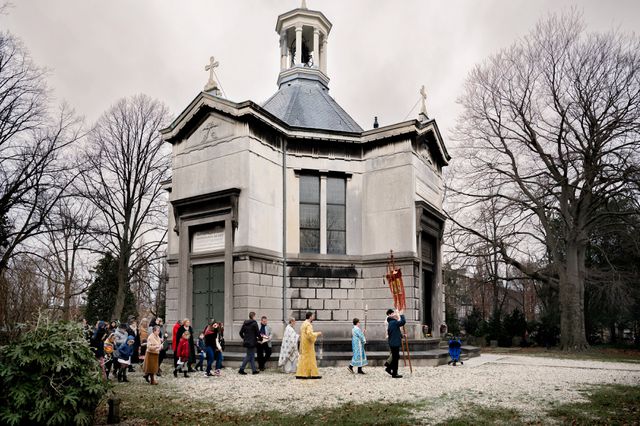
[50, 376]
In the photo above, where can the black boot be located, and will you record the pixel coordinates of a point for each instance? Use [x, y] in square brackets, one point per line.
[124, 375]
[185, 374]
[119, 375]
[175, 372]
[360, 370]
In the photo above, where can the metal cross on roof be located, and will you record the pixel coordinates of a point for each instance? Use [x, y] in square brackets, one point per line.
[211, 84]
[423, 94]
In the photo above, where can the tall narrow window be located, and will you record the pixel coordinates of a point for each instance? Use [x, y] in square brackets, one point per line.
[309, 214]
[336, 216]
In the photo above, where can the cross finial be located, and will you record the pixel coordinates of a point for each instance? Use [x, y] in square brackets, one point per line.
[211, 84]
[423, 95]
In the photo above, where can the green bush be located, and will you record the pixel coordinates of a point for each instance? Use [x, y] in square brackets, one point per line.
[50, 376]
[547, 331]
[451, 319]
[474, 325]
[515, 324]
[496, 330]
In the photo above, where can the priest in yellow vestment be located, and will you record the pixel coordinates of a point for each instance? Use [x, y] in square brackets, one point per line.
[307, 367]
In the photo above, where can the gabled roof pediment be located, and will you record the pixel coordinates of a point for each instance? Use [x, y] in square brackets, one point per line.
[204, 103]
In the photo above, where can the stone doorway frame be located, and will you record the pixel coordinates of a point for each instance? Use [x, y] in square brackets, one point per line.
[430, 222]
[218, 208]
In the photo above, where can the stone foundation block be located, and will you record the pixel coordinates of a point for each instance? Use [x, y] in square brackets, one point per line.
[307, 293]
[347, 283]
[323, 293]
[316, 304]
[298, 282]
[316, 282]
[299, 303]
[332, 283]
[339, 294]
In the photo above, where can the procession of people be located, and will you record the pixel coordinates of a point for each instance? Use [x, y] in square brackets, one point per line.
[119, 347]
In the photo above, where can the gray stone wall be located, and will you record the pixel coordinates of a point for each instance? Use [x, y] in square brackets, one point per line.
[337, 295]
[257, 287]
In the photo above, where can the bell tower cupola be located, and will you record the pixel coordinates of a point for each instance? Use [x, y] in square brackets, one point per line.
[303, 45]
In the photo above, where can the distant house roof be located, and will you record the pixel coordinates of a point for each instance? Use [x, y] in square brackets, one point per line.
[306, 103]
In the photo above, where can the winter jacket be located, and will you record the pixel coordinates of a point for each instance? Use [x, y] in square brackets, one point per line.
[183, 351]
[249, 333]
[395, 334]
[192, 346]
[154, 344]
[201, 347]
[121, 337]
[174, 336]
[97, 342]
[125, 351]
[268, 333]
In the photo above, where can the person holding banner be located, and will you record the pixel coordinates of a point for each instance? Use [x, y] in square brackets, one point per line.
[395, 321]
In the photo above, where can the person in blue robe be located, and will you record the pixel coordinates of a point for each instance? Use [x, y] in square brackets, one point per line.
[358, 341]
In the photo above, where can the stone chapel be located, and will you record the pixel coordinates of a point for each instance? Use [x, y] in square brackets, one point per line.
[289, 206]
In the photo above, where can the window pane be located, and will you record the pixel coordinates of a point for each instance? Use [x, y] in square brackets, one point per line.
[309, 241]
[309, 189]
[336, 242]
[336, 190]
[310, 216]
[335, 218]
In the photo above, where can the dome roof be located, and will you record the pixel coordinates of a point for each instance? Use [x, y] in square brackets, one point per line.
[306, 103]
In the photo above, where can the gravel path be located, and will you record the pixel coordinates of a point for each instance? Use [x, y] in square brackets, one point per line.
[527, 384]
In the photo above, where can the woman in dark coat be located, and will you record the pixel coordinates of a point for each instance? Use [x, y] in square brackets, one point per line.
[186, 326]
[97, 344]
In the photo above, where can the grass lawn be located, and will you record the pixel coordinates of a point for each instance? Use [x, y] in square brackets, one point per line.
[612, 404]
[156, 405]
[595, 353]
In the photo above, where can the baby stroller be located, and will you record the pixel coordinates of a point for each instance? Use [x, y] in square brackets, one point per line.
[454, 351]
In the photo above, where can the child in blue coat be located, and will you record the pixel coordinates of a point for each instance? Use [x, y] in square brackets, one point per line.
[201, 352]
[125, 351]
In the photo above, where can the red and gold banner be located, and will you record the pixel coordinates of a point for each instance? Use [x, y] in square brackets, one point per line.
[394, 278]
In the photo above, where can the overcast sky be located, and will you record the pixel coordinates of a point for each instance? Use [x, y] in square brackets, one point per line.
[379, 52]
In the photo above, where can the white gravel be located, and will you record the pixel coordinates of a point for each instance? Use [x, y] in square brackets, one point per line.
[528, 384]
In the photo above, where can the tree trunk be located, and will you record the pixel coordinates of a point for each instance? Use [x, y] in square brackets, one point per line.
[122, 282]
[66, 310]
[572, 327]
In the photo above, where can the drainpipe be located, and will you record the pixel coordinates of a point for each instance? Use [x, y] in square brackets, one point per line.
[284, 230]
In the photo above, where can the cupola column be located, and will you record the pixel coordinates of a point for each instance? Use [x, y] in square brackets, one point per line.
[323, 55]
[298, 60]
[316, 48]
[283, 50]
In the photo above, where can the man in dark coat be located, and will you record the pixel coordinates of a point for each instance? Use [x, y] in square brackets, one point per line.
[395, 321]
[249, 334]
[186, 326]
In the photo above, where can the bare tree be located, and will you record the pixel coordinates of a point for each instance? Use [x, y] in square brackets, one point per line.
[125, 164]
[22, 297]
[64, 252]
[34, 173]
[550, 129]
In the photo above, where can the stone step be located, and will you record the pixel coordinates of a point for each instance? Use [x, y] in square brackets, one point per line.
[344, 345]
[339, 358]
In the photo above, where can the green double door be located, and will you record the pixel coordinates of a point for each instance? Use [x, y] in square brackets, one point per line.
[208, 294]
